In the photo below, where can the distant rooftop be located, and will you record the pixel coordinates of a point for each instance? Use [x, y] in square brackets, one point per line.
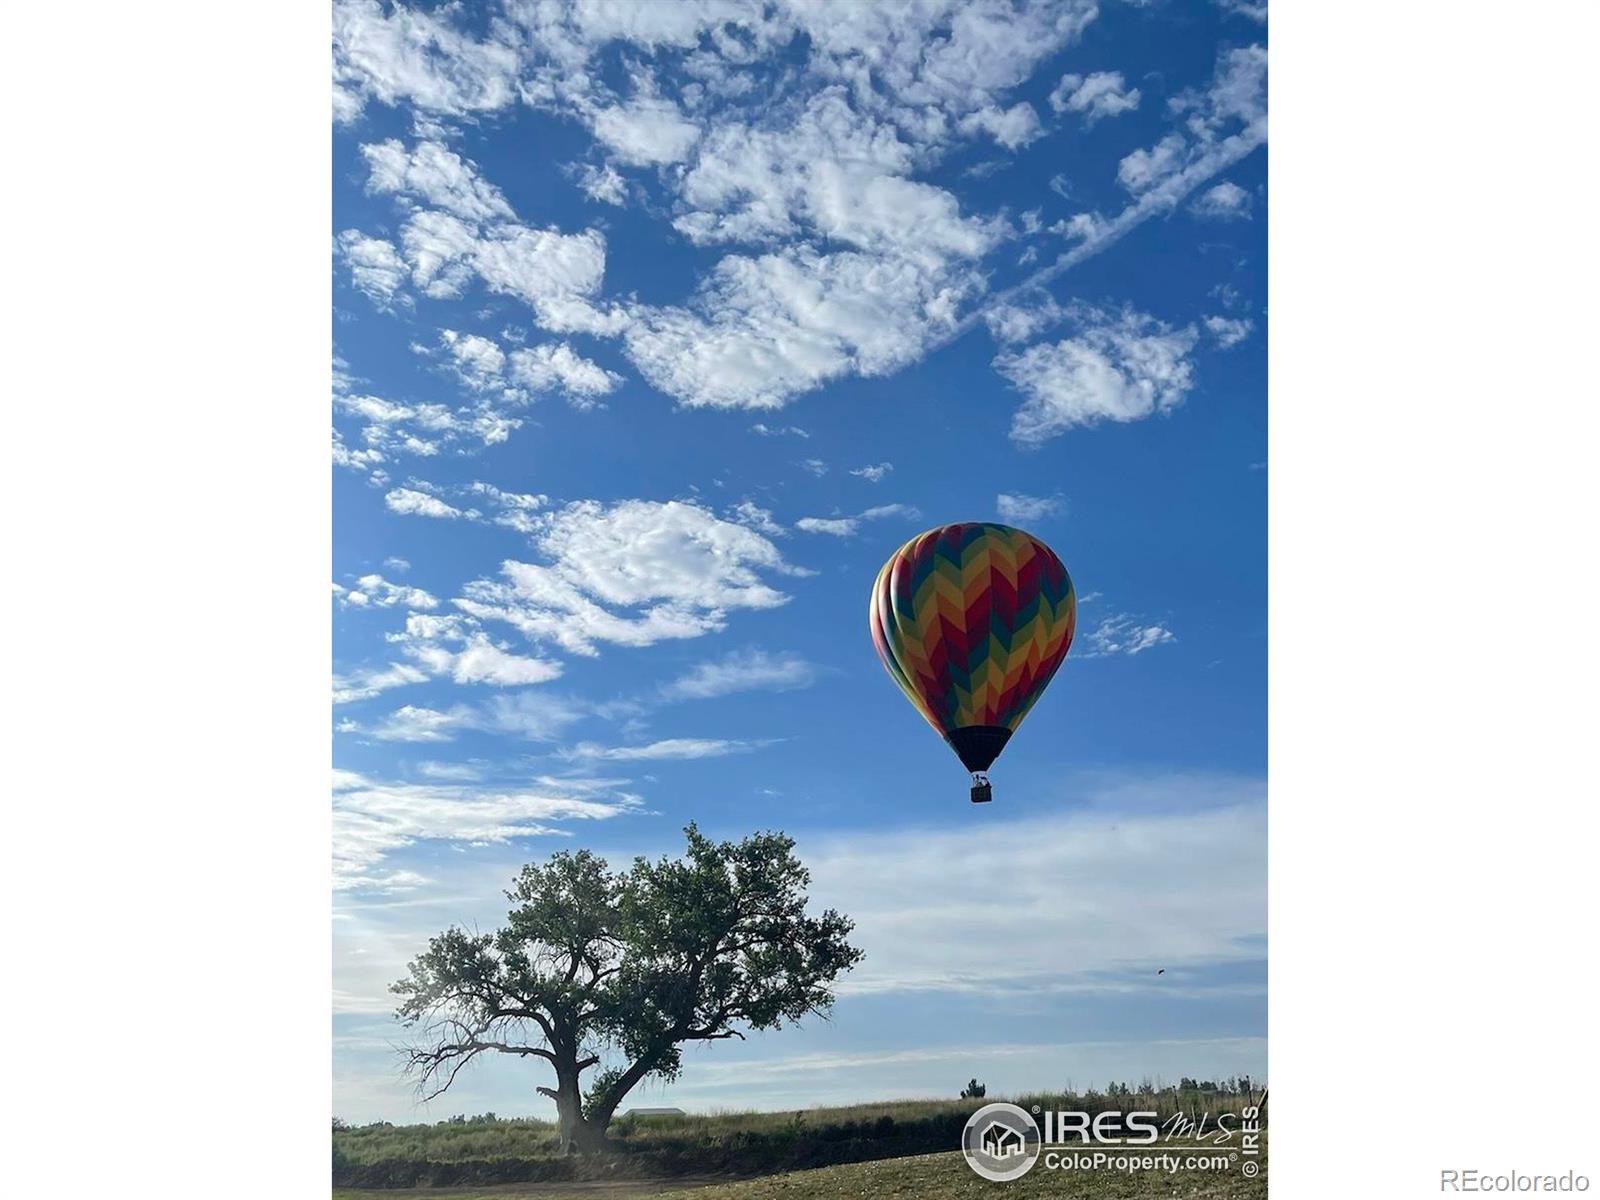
[655, 1112]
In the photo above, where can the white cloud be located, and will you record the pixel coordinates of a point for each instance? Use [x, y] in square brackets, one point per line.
[461, 228]
[354, 460]
[1235, 102]
[1011, 127]
[1229, 331]
[533, 715]
[850, 526]
[1120, 367]
[452, 771]
[631, 573]
[482, 367]
[409, 502]
[873, 472]
[478, 360]
[373, 820]
[1102, 94]
[1015, 506]
[652, 26]
[778, 430]
[815, 466]
[668, 748]
[1083, 226]
[411, 55]
[761, 330]
[944, 57]
[413, 723]
[742, 671]
[1143, 169]
[396, 564]
[747, 512]
[423, 429]
[551, 366]
[835, 171]
[647, 131]
[516, 509]
[1253, 10]
[1225, 202]
[880, 511]
[435, 175]
[369, 681]
[548, 270]
[1124, 634]
[602, 184]
[376, 268]
[456, 647]
[374, 591]
[1024, 318]
[836, 526]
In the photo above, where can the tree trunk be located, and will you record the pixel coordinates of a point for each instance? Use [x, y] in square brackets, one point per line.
[578, 1135]
[589, 1137]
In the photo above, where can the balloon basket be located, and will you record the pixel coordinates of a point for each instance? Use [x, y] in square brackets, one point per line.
[982, 793]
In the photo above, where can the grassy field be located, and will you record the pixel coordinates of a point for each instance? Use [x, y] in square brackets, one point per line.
[929, 1176]
[486, 1153]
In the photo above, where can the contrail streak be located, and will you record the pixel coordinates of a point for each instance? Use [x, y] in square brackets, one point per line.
[1164, 197]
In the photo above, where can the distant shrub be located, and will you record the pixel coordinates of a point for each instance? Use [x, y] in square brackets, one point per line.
[974, 1090]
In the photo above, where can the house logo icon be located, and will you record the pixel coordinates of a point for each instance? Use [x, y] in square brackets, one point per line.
[1000, 1142]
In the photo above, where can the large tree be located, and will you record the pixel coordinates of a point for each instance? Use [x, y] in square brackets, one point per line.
[596, 966]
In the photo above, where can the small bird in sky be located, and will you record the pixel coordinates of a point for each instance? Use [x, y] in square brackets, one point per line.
[1162, 971]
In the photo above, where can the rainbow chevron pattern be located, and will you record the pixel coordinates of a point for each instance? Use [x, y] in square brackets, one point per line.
[972, 620]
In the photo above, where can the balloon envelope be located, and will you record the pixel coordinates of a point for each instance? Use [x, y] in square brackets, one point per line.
[972, 620]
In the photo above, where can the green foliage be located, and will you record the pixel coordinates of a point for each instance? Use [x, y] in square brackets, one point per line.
[600, 1091]
[974, 1090]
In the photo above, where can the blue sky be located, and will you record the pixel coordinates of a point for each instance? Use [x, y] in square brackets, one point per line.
[657, 328]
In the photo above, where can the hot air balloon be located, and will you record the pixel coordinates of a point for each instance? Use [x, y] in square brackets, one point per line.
[972, 620]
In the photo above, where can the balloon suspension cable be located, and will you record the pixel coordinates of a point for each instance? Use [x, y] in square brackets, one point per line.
[981, 791]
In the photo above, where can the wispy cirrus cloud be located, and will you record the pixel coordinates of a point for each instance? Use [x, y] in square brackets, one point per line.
[1228, 332]
[1017, 506]
[373, 820]
[746, 670]
[366, 682]
[665, 749]
[456, 647]
[535, 716]
[849, 526]
[873, 472]
[1123, 633]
